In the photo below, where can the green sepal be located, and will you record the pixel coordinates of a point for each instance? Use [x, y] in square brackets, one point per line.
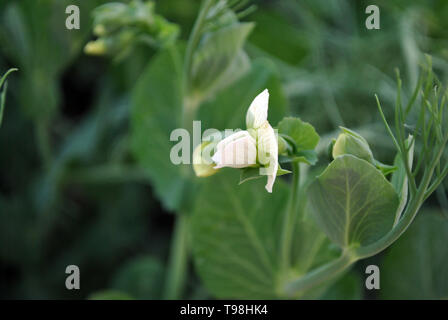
[251, 173]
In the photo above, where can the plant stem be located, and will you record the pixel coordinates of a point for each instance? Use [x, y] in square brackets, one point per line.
[193, 41]
[320, 275]
[289, 219]
[178, 261]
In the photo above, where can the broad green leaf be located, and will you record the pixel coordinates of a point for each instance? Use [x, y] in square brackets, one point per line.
[227, 110]
[283, 40]
[353, 202]
[415, 267]
[236, 233]
[311, 247]
[217, 52]
[110, 295]
[34, 37]
[141, 277]
[302, 133]
[238, 67]
[156, 112]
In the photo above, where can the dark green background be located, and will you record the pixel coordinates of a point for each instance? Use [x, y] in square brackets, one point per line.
[71, 191]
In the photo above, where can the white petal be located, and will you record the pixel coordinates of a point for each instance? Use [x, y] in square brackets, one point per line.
[239, 150]
[268, 153]
[270, 183]
[257, 113]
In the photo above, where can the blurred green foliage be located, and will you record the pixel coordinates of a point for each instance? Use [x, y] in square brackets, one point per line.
[119, 26]
[84, 144]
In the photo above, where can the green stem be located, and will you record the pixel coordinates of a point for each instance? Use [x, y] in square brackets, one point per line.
[194, 39]
[320, 275]
[289, 219]
[178, 262]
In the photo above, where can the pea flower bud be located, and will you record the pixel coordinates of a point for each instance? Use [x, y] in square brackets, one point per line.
[256, 146]
[268, 153]
[96, 48]
[350, 142]
[282, 145]
[257, 114]
[202, 164]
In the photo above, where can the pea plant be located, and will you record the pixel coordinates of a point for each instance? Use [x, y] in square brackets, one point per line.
[311, 226]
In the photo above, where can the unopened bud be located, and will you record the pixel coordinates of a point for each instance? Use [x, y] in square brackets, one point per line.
[350, 142]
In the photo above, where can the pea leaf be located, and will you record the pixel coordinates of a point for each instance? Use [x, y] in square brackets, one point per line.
[302, 133]
[353, 202]
[218, 52]
[236, 233]
[415, 266]
[227, 110]
[156, 111]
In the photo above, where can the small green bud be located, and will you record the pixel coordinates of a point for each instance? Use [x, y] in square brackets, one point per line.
[350, 142]
[95, 48]
[99, 30]
[282, 145]
[202, 165]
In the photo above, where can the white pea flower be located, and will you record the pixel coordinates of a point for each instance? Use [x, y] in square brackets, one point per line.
[238, 150]
[257, 114]
[256, 146]
[268, 153]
